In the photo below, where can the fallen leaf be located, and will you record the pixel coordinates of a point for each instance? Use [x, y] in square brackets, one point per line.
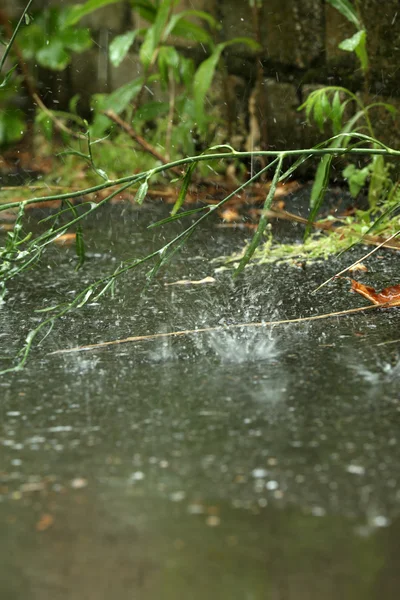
[389, 295]
[189, 282]
[229, 215]
[67, 238]
[78, 483]
[358, 267]
[44, 522]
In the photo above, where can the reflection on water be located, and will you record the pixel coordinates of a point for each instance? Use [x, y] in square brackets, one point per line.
[239, 464]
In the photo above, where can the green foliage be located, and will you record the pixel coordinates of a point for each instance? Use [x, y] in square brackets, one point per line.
[50, 40]
[205, 74]
[347, 9]
[327, 106]
[358, 42]
[75, 13]
[121, 45]
[12, 120]
[12, 125]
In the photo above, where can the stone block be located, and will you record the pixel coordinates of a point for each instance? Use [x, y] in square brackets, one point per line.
[382, 22]
[385, 125]
[338, 28]
[293, 32]
[283, 119]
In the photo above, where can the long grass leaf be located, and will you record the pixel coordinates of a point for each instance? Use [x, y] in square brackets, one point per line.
[183, 191]
[179, 216]
[263, 219]
[80, 247]
[318, 190]
[346, 8]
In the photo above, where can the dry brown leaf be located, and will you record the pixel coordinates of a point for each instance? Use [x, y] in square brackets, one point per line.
[67, 238]
[389, 295]
[229, 215]
[358, 267]
[44, 522]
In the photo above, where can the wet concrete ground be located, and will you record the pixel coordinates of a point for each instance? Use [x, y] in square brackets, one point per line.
[242, 464]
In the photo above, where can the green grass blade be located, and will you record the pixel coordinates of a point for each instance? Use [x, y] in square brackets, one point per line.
[263, 220]
[318, 190]
[183, 191]
[180, 216]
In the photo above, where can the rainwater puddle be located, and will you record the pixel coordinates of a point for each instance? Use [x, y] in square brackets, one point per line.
[237, 463]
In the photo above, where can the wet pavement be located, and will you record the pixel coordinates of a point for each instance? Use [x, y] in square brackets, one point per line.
[237, 464]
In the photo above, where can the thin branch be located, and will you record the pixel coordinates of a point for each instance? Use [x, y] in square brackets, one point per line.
[212, 156]
[328, 226]
[14, 35]
[59, 124]
[154, 336]
[139, 139]
[356, 262]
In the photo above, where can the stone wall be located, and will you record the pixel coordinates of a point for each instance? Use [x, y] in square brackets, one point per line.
[299, 40]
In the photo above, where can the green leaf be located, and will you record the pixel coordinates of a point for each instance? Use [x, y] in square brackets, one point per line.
[146, 9]
[12, 125]
[50, 41]
[73, 103]
[79, 247]
[336, 113]
[183, 191]
[78, 11]
[168, 58]
[75, 39]
[178, 25]
[120, 46]
[53, 56]
[141, 193]
[151, 110]
[356, 178]
[263, 220]
[45, 125]
[319, 112]
[205, 73]
[346, 8]
[379, 180]
[318, 190]
[202, 83]
[154, 34]
[7, 76]
[178, 216]
[357, 44]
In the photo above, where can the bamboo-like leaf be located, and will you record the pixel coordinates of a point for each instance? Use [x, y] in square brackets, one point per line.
[347, 9]
[202, 82]
[378, 180]
[358, 44]
[205, 74]
[7, 76]
[78, 11]
[181, 215]
[80, 247]
[263, 219]
[336, 113]
[178, 24]
[154, 34]
[166, 254]
[318, 190]
[319, 110]
[141, 193]
[183, 191]
[120, 46]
